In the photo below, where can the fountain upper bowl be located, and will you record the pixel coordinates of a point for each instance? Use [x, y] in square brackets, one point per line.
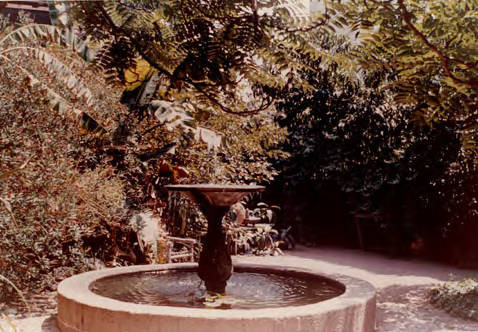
[216, 194]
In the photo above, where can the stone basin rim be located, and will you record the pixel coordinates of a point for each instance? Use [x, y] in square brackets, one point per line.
[76, 288]
[215, 187]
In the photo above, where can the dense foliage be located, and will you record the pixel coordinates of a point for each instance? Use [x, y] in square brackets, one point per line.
[380, 120]
[400, 145]
[430, 50]
[49, 206]
[207, 57]
[69, 187]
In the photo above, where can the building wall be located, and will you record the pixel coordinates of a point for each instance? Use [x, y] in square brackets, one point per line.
[38, 10]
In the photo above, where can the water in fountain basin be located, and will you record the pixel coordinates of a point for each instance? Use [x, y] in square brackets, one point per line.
[245, 290]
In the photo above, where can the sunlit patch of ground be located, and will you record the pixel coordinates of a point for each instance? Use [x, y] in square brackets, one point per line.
[402, 285]
[406, 308]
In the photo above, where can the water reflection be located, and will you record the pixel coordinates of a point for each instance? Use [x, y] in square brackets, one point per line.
[245, 290]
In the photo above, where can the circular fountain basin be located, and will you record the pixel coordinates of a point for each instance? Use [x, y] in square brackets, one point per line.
[343, 304]
[246, 289]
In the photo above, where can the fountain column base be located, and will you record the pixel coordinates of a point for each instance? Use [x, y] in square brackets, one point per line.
[215, 264]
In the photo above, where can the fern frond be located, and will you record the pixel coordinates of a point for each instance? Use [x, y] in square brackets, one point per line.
[31, 32]
[176, 115]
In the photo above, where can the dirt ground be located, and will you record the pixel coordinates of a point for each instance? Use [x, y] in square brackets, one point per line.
[402, 286]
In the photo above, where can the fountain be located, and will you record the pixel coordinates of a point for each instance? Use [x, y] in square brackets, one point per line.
[261, 298]
[215, 266]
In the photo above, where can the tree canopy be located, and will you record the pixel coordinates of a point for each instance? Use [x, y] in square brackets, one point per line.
[429, 49]
[215, 55]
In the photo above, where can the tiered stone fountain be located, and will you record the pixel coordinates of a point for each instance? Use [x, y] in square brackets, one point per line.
[264, 298]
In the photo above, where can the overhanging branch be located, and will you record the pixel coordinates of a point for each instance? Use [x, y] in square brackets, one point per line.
[444, 59]
[195, 85]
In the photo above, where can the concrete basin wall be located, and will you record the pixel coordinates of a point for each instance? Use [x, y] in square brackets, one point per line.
[79, 309]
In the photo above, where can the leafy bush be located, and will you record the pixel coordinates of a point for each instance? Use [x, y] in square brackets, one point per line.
[48, 205]
[458, 191]
[457, 298]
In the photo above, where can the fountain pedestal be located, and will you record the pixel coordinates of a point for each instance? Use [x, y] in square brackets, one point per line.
[215, 265]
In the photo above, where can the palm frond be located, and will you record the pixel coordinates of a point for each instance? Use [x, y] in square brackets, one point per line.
[43, 32]
[176, 115]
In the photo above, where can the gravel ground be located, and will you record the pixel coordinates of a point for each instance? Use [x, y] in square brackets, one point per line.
[402, 285]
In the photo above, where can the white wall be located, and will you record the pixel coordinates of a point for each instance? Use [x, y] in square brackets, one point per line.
[316, 5]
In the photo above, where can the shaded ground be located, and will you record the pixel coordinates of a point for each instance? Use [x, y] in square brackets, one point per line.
[401, 287]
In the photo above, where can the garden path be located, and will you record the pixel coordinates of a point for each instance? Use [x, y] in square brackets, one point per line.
[401, 285]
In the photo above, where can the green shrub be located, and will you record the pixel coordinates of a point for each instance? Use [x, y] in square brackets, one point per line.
[457, 298]
[50, 208]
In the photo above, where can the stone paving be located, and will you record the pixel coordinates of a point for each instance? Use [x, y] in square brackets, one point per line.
[402, 285]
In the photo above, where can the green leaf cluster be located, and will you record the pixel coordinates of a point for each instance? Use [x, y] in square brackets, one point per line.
[429, 50]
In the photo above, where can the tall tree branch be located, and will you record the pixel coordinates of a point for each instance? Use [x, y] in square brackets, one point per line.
[445, 60]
